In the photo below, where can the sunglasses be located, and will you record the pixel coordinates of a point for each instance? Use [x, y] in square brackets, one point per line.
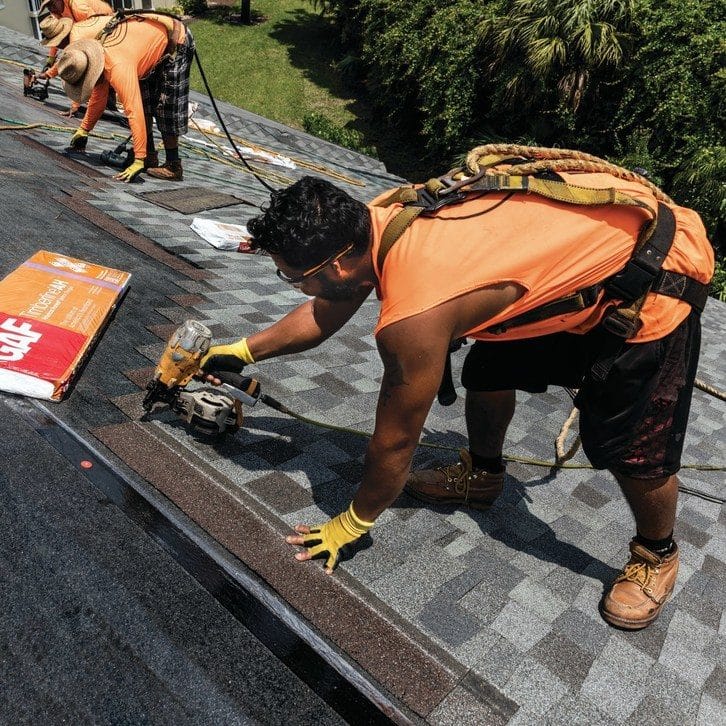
[314, 270]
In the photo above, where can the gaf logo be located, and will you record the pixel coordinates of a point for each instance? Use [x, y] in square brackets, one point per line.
[16, 340]
[66, 264]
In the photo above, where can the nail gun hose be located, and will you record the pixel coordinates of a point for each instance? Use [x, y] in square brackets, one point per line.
[224, 126]
[277, 406]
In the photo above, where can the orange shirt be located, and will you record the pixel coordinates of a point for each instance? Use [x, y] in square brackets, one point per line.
[83, 9]
[131, 52]
[549, 248]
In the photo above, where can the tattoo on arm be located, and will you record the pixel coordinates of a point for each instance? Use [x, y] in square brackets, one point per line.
[392, 375]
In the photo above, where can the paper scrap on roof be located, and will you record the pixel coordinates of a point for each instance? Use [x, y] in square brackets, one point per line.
[223, 235]
[52, 310]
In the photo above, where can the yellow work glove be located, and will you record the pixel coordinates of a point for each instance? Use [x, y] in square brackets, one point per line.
[327, 539]
[233, 357]
[130, 171]
[79, 139]
[49, 62]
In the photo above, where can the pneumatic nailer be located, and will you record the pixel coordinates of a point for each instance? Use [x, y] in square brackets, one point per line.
[209, 409]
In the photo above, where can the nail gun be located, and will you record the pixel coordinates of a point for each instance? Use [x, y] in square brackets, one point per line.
[121, 157]
[209, 410]
[34, 87]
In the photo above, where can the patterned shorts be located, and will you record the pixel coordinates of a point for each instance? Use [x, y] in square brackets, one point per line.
[165, 91]
[633, 423]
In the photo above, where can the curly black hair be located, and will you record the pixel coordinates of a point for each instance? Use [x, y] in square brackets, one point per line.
[310, 221]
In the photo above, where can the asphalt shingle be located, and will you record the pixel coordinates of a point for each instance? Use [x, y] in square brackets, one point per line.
[510, 594]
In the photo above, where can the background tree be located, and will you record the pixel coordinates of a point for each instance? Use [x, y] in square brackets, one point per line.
[640, 82]
[541, 46]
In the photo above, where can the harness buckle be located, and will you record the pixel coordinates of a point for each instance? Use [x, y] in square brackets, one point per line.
[621, 325]
[431, 203]
[632, 282]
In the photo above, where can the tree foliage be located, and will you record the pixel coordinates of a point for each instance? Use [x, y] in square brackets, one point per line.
[641, 82]
[556, 44]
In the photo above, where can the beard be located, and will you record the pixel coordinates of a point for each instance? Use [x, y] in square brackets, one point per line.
[333, 291]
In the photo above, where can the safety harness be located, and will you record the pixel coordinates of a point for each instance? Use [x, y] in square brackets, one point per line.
[172, 24]
[534, 170]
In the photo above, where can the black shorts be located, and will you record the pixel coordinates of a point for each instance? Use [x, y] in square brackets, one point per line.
[633, 423]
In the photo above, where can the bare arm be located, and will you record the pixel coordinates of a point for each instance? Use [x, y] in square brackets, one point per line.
[305, 327]
[412, 374]
[413, 353]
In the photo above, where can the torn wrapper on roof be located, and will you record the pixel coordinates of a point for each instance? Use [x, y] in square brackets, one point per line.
[52, 310]
[223, 235]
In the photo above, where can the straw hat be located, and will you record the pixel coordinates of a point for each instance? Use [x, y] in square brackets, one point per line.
[54, 29]
[80, 67]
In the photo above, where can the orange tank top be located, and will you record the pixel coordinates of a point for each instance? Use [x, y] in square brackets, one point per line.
[549, 248]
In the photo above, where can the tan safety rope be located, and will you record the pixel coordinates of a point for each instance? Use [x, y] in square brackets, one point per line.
[556, 160]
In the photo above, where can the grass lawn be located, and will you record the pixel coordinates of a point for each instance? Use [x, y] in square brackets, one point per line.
[280, 67]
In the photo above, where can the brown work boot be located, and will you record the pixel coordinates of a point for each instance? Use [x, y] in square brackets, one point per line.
[457, 483]
[639, 592]
[151, 161]
[171, 171]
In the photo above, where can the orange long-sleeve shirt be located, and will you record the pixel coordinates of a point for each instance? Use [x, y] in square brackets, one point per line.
[79, 10]
[131, 52]
[549, 248]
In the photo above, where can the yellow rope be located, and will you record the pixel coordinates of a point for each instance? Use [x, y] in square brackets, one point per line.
[266, 173]
[560, 160]
[14, 63]
[519, 459]
[296, 160]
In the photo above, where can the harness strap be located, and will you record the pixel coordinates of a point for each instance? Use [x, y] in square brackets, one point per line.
[682, 287]
[552, 189]
[645, 263]
[395, 228]
[572, 303]
[173, 26]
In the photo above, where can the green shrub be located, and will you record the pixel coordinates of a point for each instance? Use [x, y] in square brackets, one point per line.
[193, 7]
[319, 125]
[718, 284]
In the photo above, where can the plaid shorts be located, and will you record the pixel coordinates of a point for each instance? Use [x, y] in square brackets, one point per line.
[634, 422]
[165, 91]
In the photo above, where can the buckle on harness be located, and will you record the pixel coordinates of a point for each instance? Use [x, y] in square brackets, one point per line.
[431, 203]
[621, 325]
[632, 282]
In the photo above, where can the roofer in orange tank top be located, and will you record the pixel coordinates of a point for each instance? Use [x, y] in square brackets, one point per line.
[146, 59]
[473, 269]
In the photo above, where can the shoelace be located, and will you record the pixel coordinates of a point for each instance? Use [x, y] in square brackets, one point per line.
[641, 573]
[458, 473]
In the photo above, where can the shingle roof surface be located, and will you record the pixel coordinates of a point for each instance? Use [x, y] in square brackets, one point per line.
[505, 599]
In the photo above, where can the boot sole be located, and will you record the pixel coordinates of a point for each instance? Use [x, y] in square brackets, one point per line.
[633, 624]
[481, 506]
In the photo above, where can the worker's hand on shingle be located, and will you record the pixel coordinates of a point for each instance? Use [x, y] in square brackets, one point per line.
[79, 140]
[130, 172]
[326, 540]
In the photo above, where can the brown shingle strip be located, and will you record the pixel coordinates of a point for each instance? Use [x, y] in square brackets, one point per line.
[413, 675]
[188, 300]
[73, 199]
[140, 376]
[66, 162]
